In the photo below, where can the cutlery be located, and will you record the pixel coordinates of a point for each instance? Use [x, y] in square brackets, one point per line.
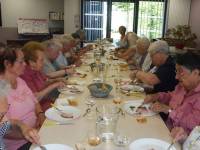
[64, 123]
[86, 112]
[42, 147]
[170, 146]
[58, 109]
[194, 142]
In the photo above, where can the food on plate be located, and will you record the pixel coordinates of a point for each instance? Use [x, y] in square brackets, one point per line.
[66, 115]
[141, 110]
[83, 75]
[123, 65]
[73, 89]
[132, 108]
[72, 102]
[141, 120]
[117, 101]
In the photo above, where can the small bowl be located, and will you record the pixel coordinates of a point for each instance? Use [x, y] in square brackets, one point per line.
[100, 90]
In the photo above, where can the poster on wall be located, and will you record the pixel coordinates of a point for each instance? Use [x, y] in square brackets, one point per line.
[32, 26]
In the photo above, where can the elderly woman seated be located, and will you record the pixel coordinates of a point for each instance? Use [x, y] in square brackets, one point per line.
[50, 68]
[163, 79]
[10, 128]
[182, 104]
[44, 89]
[22, 103]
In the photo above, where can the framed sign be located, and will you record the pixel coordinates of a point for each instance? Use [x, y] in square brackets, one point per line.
[32, 26]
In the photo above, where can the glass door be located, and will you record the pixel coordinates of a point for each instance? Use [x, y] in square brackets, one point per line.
[122, 15]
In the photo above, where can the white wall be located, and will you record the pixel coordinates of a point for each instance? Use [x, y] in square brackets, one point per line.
[178, 13]
[71, 15]
[14, 9]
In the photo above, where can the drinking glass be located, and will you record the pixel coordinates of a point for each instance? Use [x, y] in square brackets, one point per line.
[106, 124]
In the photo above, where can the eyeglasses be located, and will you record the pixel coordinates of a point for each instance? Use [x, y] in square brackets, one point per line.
[180, 70]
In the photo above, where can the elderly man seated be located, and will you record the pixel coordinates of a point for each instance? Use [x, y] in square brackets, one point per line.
[182, 104]
[138, 57]
[163, 79]
[50, 68]
[129, 42]
[68, 43]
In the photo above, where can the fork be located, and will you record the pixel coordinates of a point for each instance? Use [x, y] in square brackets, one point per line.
[86, 112]
[42, 147]
[170, 146]
[58, 109]
[194, 142]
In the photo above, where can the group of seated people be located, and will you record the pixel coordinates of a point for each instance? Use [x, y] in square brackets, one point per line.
[175, 81]
[31, 75]
[29, 79]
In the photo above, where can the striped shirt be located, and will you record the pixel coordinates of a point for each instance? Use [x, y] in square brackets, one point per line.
[4, 127]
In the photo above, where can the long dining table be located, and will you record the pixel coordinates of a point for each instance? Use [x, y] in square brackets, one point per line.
[75, 132]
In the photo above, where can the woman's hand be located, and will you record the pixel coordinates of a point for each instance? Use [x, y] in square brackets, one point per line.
[58, 84]
[159, 107]
[150, 98]
[40, 119]
[70, 69]
[30, 134]
[178, 134]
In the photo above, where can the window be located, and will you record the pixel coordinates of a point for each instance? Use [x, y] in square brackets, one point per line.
[94, 19]
[124, 11]
[150, 19]
[101, 18]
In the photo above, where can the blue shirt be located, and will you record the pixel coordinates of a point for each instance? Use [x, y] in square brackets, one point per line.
[61, 61]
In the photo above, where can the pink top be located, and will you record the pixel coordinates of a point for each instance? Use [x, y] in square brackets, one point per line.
[185, 107]
[34, 79]
[22, 107]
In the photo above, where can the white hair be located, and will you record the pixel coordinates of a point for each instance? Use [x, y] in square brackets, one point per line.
[144, 41]
[53, 44]
[159, 46]
[67, 39]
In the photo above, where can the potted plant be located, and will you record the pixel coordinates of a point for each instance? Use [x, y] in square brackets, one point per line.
[181, 36]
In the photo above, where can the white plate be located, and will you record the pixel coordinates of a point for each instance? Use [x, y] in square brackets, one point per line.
[55, 147]
[69, 89]
[149, 144]
[135, 88]
[53, 114]
[64, 101]
[78, 82]
[137, 103]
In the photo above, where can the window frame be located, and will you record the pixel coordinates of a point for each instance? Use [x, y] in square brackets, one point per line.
[136, 14]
